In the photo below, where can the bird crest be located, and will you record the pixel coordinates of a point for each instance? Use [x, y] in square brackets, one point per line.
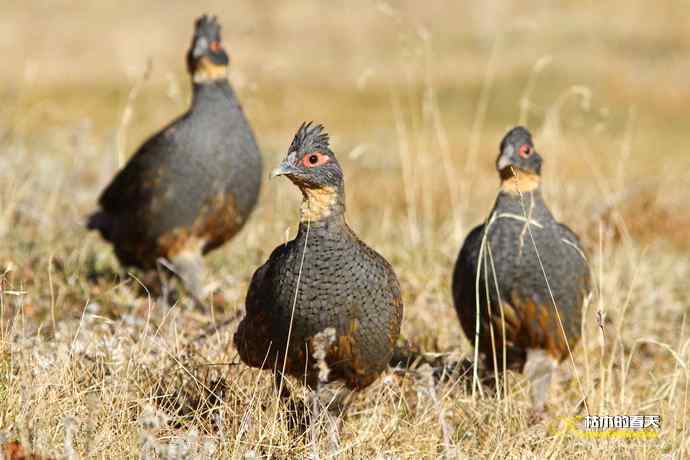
[309, 138]
[207, 26]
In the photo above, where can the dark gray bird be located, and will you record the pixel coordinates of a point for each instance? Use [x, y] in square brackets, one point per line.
[498, 266]
[326, 278]
[192, 186]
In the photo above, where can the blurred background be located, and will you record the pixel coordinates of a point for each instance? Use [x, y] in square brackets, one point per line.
[406, 89]
[416, 97]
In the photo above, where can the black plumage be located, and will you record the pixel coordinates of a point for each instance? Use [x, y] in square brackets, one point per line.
[332, 279]
[192, 186]
[498, 262]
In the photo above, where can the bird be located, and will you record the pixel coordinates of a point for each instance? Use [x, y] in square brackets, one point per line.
[324, 300]
[524, 272]
[191, 186]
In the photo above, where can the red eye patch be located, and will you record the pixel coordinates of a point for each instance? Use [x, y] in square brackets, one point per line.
[215, 46]
[314, 159]
[525, 150]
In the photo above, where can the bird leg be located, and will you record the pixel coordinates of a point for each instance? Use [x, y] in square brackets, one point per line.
[315, 397]
[296, 410]
[332, 395]
[188, 265]
[335, 398]
[539, 369]
[163, 269]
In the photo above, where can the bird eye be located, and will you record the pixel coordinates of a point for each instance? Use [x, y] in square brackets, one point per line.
[525, 151]
[215, 46]
[313, 159]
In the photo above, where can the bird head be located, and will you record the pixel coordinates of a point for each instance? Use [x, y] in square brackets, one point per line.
[312, 166]
[310, 163]
[517, 154]
[206, 58]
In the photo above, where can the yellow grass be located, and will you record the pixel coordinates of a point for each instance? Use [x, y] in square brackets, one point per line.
[416, 96]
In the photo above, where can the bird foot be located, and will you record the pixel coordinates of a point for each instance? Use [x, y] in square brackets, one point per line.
[188, 266]
[329, 403]
[536, 415]
[539, 369]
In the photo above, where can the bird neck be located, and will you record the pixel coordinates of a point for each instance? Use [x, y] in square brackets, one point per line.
[212, 90]
[321, 204]
[528, 203]
[206, 70]
[516, 181]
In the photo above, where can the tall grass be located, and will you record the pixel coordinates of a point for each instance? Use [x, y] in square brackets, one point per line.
[93, 365]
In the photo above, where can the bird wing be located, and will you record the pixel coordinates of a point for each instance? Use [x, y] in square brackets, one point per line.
[254, 333]
[464, 281]
[567, 233]
[135, 183]
[471, 247]
[256, 293]
[570, 238]
[466, 266]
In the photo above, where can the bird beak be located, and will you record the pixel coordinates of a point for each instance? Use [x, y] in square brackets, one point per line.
[284, 169]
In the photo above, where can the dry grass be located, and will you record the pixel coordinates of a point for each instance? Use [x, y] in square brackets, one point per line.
[416, 98]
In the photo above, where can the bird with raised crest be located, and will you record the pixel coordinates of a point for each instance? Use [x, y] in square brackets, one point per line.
[324, 280]
[192, 186]
[524, 272]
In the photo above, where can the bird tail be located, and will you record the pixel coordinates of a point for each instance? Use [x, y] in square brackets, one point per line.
[100, 221]
[405, 354]
[408, 356]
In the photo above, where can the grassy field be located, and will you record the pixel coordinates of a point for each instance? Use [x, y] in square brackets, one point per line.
[416, 96]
